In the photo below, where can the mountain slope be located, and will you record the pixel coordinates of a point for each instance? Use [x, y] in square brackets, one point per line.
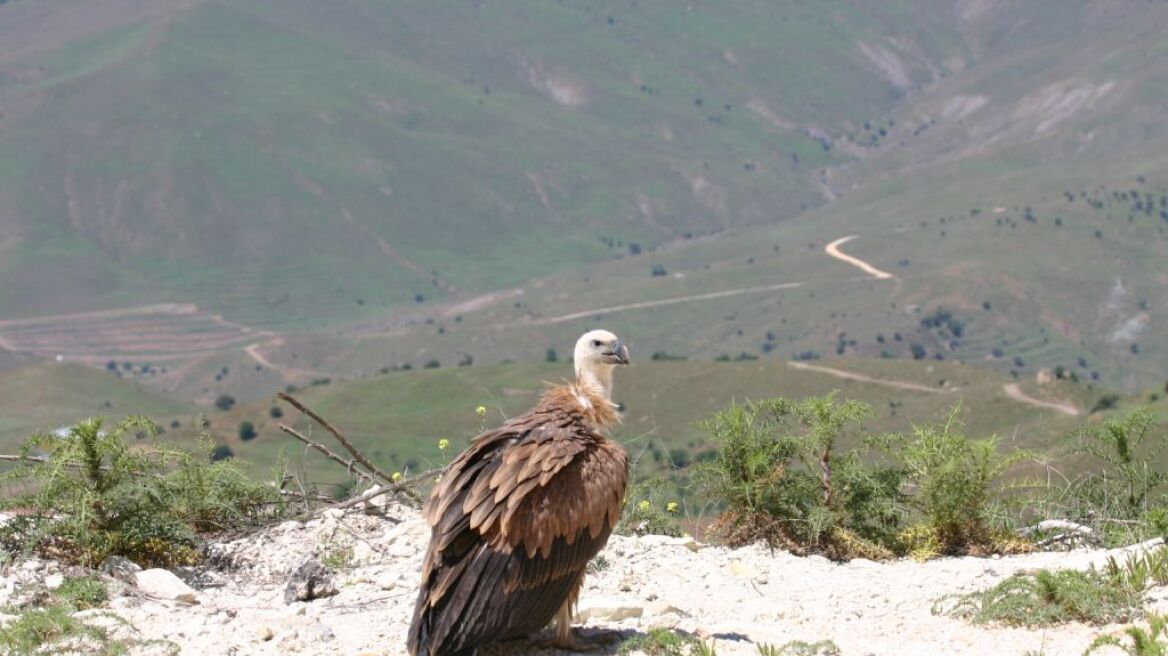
[261, 158]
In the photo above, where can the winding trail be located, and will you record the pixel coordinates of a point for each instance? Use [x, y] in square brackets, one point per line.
[833, 250]
[288, 373]
[648, 304]
[899, 384]
[1015, 392]
[1012, 390]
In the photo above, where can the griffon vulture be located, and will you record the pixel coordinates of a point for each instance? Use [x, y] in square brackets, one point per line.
[517, 516]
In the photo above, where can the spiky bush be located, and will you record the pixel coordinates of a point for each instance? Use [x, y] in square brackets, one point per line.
[1114, 593]
[97, 493]
[954, 478]
[780, 478]
[1121, 493]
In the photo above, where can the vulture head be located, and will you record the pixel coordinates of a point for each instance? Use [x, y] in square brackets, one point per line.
[597, 353]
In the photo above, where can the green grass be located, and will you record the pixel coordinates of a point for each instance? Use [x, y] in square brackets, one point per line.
[1114, 593]
[397, 419]
[51, 395]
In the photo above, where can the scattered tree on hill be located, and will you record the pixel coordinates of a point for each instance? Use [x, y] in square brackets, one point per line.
[657, 270]
[225, 402]
[247, 431]
[221, 452]
[275, 412]
[551, 355]
[1105, 402]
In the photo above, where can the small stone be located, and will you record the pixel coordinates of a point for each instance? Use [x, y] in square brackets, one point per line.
[742, 570]
[387, 581]
[325, 632]
[54, 581]
[310, 581]
[120, 568]
[606, 609]
[198, 577]
[362, 553]
[333, 513]
[162, 584]
[265, 634]
[666, 609]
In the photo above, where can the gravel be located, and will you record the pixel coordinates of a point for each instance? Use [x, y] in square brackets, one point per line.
[738, 597]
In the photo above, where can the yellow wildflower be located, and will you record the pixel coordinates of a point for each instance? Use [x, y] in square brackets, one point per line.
[443, 444]
[671, 507]
[644, 505]
[397, 476]
[481, 410]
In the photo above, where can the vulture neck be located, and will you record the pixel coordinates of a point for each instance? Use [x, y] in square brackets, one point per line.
[596, 379]
[593, 393]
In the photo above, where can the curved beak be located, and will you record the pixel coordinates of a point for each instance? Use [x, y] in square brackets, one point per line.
[619, 354]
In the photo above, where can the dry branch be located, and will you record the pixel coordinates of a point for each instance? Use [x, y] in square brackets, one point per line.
[359, 466]
[9, 458]
[402, 486]
[357, 455]
[350, 465]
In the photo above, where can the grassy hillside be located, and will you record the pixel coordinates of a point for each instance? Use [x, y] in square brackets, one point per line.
[51, 395]
[398, 419]
[332, 191]
[293, 164]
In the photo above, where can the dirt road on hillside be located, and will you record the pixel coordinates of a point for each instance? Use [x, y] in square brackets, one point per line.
[648, 304]
[1015, 392]
[848, 375]
[833, 250]
[1012, 390]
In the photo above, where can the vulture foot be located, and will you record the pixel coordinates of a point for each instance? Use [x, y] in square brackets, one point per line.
[577, 640]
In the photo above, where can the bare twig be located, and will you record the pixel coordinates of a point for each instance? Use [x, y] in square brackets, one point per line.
[357, 455]
[44, 460]
[349, 465]
[1055, 525]
[304, 496]
[9, 458]
[404, 484]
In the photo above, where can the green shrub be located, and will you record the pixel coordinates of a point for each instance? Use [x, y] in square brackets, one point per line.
[650, 510]
[1047, 597]
[800, 648]
[99, 495]
[664, 642]
[1121, 493]
[1127, 447]
[51, 627]
[953, 477]
[777, 474]
[1113, 594]
[1153, 642]
[82, 592]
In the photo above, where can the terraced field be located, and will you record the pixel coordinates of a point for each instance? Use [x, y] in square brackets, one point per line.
[155, 333]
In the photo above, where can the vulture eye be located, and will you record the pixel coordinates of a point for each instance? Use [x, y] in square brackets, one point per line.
[596, 343]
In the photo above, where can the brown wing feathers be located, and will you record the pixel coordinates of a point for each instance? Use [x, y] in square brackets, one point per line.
[515, 520]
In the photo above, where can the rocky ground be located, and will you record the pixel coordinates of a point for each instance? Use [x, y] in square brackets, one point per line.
[738, 597]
